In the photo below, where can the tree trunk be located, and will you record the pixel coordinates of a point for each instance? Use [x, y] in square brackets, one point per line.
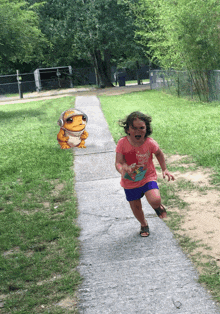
[102, 69]
[107, 65]
[138, 74]
[97, 77]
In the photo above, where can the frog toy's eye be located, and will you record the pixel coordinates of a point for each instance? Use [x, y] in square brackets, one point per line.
[69, 120]
[84, 118]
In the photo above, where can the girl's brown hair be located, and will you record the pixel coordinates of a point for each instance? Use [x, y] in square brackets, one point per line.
[128, 121]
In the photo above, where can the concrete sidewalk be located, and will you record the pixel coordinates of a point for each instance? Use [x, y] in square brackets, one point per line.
[124, 273]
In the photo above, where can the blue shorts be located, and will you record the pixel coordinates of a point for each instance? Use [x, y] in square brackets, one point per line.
[137, 193]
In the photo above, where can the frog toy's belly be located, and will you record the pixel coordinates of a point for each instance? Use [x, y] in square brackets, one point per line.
[74, 141]
[74, 138]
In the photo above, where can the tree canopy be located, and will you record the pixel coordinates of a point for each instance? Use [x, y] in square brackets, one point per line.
[104, 31]
[182, 34]
[99, 32]
[20, 38]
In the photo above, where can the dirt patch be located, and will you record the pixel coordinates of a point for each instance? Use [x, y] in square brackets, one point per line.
[202, 221]
[57, 190]
[68, 303]
[200, 177]
[202, 215]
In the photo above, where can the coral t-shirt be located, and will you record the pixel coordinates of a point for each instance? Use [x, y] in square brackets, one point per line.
[142, 156]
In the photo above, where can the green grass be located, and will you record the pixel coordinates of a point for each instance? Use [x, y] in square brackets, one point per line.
[180, 127]
[12, 95]
[135, 81]
[38, 233]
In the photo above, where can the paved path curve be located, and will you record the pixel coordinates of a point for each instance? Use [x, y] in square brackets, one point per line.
[124, 273]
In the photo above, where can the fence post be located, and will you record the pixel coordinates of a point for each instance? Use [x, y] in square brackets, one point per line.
[178, 85]
[191, 87]
[19, 84]
[151, 79]
[59, 75]
[71, 75]
[211, 86]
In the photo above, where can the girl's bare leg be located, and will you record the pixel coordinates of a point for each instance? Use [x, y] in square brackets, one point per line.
[136, 207]
[154, 199]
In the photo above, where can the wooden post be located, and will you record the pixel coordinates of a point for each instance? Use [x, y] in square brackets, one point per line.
[19, 84]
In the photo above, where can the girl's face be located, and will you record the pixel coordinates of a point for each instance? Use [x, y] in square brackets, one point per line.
[137, 132]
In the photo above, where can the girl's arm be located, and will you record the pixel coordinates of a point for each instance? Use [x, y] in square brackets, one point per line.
[160, 157]
[121, 165]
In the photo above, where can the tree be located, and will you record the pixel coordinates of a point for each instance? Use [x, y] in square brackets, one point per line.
[100, 32]
[184, 35]
[104, 31]
[187, 34]
[97, 31]
[20, 38]
[57, 23]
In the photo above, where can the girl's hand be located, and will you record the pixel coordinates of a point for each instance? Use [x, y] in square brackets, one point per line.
[128, 169]
[168, 174]
[124, 168]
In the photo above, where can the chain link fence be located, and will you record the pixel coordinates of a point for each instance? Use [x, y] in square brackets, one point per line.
[62, 77]
[9, 83]
[46, 79]
[198, 85]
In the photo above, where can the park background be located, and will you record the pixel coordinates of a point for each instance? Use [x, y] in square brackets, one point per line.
[39, 232]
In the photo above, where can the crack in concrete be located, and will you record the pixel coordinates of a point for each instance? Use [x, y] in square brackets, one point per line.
[117, 218]
[94, 153]
[100, 179]
[106, 216]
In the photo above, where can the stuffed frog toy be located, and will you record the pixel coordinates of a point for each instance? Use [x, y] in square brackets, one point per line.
[72, 132]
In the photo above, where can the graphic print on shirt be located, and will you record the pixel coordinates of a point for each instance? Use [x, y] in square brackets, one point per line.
[138, 162]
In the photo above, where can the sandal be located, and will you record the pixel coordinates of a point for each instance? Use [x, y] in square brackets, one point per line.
[145, 230]
[160, 210]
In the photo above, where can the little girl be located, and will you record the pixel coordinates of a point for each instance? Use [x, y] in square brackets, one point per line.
[134, 163]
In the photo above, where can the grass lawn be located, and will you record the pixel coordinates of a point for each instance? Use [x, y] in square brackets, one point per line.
[180, 127]
[38, 230]
[38, 233]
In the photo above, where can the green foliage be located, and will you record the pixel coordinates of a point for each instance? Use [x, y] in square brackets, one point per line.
[57, 23]
[20, 38]
[182, 34]
[104, 31]
[100, 32]
[103, 25]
